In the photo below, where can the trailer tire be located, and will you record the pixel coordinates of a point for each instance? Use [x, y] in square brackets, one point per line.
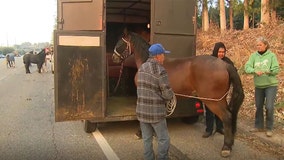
[89, 126]
[190, 120]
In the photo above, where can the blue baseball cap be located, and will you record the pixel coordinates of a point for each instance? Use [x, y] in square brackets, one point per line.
[157, 49]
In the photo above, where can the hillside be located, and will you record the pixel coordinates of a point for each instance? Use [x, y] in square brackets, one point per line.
[240, 44]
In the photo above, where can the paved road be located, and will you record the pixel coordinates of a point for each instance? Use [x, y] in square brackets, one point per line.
[28, 130]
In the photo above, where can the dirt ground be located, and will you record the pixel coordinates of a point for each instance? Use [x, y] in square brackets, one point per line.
[240, 45]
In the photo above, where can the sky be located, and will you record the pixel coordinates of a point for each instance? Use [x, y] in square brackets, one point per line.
[27, 21]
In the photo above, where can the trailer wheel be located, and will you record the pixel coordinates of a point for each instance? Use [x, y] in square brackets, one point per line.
[89, 126]
[190, 120]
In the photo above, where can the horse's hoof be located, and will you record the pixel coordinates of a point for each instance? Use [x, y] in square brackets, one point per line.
[225, 153]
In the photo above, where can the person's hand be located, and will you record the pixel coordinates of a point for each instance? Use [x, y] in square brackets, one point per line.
[259, 73]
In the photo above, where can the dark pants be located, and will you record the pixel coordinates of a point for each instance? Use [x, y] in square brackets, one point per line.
[210, 118]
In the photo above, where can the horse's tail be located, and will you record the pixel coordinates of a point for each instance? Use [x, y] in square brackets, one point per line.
[24, 57]
[237, 96]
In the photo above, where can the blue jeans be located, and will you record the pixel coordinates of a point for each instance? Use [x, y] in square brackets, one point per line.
[268, 96]
[161, 130]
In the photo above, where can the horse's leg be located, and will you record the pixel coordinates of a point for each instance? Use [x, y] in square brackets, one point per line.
[43, 67]
[39, 66]
[27, 65]
[228, 134]
[220, 109]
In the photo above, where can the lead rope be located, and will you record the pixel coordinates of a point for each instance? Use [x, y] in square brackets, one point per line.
[121, 67]
[171, 105]
[120, 73]
[203, 98]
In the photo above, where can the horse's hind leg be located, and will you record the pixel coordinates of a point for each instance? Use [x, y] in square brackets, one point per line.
[228, 134]
[221, 110]
[27, 65]
[39, 67]
[8, 64]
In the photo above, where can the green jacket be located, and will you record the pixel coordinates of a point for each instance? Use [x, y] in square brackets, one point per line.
[267, 62]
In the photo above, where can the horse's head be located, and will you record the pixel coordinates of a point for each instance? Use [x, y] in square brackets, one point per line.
[122, 49]
[46, 50]
[131, 43]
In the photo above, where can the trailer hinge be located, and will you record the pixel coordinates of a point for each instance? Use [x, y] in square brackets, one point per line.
[61, 21]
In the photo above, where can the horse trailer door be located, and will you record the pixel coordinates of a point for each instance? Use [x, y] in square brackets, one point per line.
[80, 14]
[173, 25]
[79, 60]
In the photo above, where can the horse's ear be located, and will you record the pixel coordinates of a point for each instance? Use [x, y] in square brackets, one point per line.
[125, 31]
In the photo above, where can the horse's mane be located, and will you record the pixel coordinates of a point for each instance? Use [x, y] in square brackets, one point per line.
[42, 51]
[140, 45]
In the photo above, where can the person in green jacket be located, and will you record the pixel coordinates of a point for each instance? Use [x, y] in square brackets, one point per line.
[264, 66]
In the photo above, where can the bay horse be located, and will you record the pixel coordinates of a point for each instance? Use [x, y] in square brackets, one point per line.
[204, 77]
[38, 59]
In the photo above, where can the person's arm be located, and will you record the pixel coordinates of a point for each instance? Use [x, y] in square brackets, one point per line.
[249, 66]
[274, 68]
[166, 90]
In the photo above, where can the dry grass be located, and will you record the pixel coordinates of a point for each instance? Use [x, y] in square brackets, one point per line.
[240, 45]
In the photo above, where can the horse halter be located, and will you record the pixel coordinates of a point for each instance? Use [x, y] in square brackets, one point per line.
[126, 52]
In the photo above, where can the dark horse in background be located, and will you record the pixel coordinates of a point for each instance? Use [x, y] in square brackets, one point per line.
[10, 59]
[205, 77]
[38, 59]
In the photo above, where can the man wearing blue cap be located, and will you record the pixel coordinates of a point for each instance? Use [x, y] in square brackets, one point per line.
[153, 91]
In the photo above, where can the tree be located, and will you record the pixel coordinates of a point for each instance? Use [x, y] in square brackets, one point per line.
[243, 14]
[6, 50]
[222, 16]
[273, 5]
[264, 12]
[231, 13]
[246, 15]
[205, 16]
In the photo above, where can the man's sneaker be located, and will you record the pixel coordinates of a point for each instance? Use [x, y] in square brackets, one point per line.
[206, 134]
[269, 133]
